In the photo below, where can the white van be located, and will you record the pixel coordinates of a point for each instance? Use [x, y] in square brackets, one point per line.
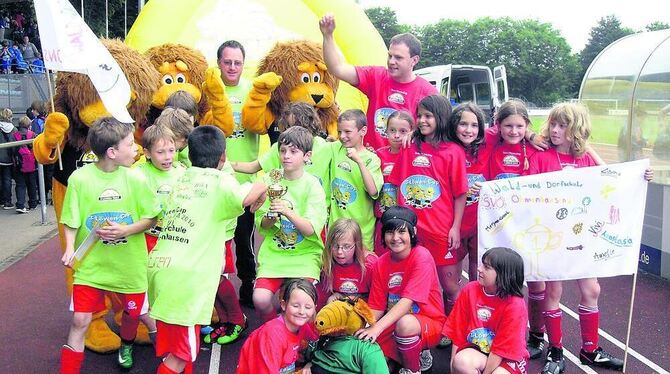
[473, 83]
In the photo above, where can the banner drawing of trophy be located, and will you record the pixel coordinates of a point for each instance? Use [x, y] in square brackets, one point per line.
[275, 190]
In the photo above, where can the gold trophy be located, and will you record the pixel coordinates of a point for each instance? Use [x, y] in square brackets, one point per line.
[275, 190]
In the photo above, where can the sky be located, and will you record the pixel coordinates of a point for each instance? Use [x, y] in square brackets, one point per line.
[573, 19]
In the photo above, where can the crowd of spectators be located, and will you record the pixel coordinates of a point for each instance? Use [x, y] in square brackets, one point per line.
[19, 41]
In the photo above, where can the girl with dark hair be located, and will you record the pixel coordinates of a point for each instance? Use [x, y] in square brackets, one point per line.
[274, 347]
[405, 296]
[488, 322]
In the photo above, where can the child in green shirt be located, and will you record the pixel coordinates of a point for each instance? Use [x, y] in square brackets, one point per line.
[355, 175]
[114, 204]
[184, 266]
[292, 246]
[181, 125]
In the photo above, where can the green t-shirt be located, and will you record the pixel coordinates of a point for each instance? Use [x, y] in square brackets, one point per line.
[160, 182]
[241, 145]
[122, 196]
[349, 199]
[348, 355]
[319, 165]
[230, 224]
[285, 252]
[185, 265]
[182, 158]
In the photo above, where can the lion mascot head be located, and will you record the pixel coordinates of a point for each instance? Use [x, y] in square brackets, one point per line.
[305, 78]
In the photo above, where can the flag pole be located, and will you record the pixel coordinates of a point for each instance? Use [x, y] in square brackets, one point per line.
[53, 109]
[630, 320]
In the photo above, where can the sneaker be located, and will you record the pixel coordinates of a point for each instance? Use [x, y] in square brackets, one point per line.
[535, 345]
[232, 333]
[8, 206]
[444, 343]
[21, 210]
[555, 363]
[125, 358]
[600, 358]
[407, 371]
[219, 331]
[426, 360]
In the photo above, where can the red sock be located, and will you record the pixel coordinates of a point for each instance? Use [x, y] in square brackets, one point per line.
[589, 320]
[128, 327]
[409, 348]
[552, 320]
[163, 369]
[70, 360]
[535, 315]
[227, 298]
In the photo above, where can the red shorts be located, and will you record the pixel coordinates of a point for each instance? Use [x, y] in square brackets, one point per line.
[87, 299]
[274, 284]
[440, 251]
[151, 241]
[229, 267]
[431, 333]
[513, 367]
[182, 341]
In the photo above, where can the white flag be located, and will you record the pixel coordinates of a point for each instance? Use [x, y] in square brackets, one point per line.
[73, 47]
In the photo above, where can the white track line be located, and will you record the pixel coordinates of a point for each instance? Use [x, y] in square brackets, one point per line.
[575, 360]
[607, 336]
[214, 358]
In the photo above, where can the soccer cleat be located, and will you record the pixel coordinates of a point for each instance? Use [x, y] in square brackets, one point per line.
[426, 360]
[600, 358]
[444, 342]
[220, 330]
[125, 358]
[535, 345]
[555, 363]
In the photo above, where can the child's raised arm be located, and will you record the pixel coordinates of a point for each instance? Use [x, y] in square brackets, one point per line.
[250, 167]
[371, 185]
[256, 196]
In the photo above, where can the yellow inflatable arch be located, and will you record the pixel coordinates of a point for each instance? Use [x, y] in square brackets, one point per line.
[258, 24]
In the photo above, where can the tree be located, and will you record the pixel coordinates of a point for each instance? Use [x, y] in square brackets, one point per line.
[657, 25]
[608, 30]
[94, 15]
[386, 22]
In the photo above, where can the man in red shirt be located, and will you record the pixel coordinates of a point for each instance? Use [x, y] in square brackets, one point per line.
[388, 89]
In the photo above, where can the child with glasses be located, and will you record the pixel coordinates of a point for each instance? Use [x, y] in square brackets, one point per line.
[347, 264]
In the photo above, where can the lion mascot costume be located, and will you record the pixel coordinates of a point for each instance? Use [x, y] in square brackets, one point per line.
[184, 68]
[292, 71]
[77, 106]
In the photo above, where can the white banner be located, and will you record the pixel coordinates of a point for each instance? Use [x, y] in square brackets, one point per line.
[570, 224]
[68, 44]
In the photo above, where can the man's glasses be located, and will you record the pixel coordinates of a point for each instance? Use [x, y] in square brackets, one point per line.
[233, 63]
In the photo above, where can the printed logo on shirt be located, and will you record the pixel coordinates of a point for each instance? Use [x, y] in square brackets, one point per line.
[345, 165]
[397, 98]
[472, 179]
[388, 196]
[343, 193]
[97, 220]
[164, 189]
[448, 256]
[420, 191]
[87, 158]
[484, 314]
[131, 305]
[506, 176]
[238, 130]
[511, 160]
[381, 117]
[287, 237]
[482, 338]
[395, 280]
[288, 369]
[393, 299]
[234, 100]
[348, 287]
[388, 168]
[421, 161]
[109, 194]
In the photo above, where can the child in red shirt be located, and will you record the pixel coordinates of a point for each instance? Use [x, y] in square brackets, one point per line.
[347, 265]
[432, 182]
[466, 128]
[405, 296]
[568, 127]
[488, 322]
[274, 347]
[398, 126]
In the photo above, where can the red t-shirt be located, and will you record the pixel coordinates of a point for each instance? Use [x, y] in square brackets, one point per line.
[428, 183]
[385, 96]
[273, 349]
[388, 196]
[477, 171]
[347, 279]
[414, 277]
[507, 160]
[488, 323]
[552, 160]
